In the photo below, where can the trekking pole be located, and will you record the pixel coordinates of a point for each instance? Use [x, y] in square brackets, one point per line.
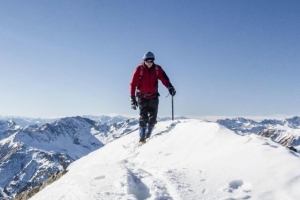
[172, 109]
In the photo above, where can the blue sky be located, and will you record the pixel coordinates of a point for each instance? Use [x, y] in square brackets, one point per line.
[225, 58]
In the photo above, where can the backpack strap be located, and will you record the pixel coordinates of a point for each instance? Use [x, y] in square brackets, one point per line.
[141, 75]
[141, 71]
[156, 69]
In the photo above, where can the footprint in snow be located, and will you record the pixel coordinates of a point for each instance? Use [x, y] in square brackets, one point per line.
[143, 185]
[99, 177]
[234, 185]
[237, 189]
[96, 179]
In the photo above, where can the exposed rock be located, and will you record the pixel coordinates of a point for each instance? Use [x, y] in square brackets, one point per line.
[29, 193]
[280, 136]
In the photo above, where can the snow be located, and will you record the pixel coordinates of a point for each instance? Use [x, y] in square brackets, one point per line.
[185, 159]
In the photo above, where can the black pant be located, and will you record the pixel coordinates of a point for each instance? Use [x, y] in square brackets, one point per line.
[148, 111]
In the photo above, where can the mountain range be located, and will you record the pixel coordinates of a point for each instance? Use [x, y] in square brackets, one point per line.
[30, 154]
[285, 132]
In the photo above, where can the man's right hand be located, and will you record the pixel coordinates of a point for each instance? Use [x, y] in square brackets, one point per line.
[134, 103]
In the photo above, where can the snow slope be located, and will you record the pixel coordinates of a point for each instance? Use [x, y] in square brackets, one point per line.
[186, 159]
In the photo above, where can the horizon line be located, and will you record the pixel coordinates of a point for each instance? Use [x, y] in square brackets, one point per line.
[202, 117]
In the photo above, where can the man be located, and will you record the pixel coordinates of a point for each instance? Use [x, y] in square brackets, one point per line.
[144, 85]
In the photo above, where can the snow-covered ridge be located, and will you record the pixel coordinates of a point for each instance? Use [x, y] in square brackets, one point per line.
[185, 159]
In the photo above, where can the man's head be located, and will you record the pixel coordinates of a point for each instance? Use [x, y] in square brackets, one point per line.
[148, 56]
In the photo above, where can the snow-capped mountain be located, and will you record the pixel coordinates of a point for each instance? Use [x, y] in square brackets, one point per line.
[170, 118]
[285, 132]
[28, 155]
[185, 159]
[7, 128]
[104, 119]
[24, 121]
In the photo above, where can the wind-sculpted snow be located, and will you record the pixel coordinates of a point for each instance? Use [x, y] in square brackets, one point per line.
[185, 159]
[30, 154]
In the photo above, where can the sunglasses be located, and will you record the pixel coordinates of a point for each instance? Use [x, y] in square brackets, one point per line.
[149, 61]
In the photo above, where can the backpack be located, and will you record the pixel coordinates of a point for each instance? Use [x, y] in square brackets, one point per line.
[142, 72]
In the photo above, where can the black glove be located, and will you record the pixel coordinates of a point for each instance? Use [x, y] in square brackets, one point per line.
[172, 91]
[134, 103]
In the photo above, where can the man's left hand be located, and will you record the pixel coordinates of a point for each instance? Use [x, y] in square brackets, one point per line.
[172, 91]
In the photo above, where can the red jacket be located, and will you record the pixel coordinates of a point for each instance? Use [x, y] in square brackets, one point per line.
[147, 85]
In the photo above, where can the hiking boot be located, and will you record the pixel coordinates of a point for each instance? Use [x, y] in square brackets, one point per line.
[142, 140]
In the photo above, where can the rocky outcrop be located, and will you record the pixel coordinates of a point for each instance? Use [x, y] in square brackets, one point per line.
[280, 136]
[29, 193]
